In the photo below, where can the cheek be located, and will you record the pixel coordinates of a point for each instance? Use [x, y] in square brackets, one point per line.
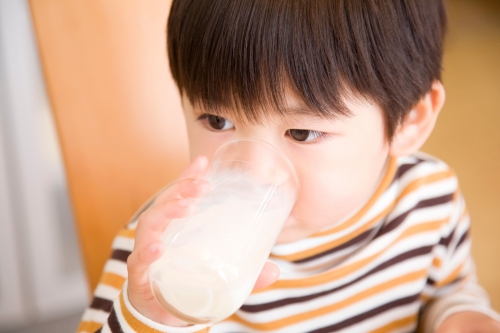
[334, 187]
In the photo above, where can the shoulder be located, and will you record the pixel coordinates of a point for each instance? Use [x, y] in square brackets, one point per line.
[424, 193]
[423, 175]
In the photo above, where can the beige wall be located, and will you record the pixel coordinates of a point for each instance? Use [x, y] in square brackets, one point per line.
[467, 135]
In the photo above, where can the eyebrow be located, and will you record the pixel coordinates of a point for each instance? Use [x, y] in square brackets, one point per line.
[296, 111]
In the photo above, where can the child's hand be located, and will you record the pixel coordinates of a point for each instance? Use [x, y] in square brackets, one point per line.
[469, 322]
[175, 202]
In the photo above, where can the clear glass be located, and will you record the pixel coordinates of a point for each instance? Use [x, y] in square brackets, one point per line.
[213, 257]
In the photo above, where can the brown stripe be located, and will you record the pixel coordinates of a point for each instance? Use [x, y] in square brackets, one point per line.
[99, 303]
[393, 224]
[345, 245]
[445, 241]
[113, 323]
[120, 255]
[464, 237]
[404, 168]
[366, 315]
[292, 300]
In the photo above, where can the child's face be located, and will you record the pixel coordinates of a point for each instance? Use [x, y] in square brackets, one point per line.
[338, 161]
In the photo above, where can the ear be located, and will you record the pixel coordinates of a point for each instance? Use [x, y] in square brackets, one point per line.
[412, 133]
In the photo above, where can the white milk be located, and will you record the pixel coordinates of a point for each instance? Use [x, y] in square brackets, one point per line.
[213, 258]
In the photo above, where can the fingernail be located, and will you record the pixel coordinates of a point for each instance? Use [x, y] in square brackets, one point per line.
[184, 202]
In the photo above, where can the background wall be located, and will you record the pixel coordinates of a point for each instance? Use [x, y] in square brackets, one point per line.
[467, 134]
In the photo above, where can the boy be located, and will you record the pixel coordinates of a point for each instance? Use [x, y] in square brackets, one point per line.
[349, 91]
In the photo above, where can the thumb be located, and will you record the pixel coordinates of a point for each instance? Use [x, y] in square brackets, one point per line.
[138, 266]
[269, 274]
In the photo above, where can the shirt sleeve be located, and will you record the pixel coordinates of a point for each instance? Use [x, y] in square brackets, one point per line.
[452, 285]
[124, 318]
[110, 310]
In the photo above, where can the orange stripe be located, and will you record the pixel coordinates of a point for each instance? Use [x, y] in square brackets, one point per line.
[453, 276]
[384, 184]
[425, 298]
[417, 183]
[345, 270]
[113, 280]
[133, 322]
[280, 323]
[397, 324]
[128, 233]
[436, 262]
[324, 247]
[88, 326]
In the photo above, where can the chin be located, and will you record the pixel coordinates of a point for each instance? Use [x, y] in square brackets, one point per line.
[292, 231]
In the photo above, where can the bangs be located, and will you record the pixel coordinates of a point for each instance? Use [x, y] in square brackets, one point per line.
[246, 56]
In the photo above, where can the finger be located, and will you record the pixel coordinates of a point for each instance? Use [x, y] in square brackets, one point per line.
[195, 170]
[138, 264]
[153, 222]
[193, 188]
[269, 274]
[185, 188]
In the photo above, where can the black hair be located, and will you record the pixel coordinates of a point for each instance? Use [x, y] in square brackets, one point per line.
[243, 55]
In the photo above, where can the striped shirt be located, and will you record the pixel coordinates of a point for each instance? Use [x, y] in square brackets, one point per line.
[401, 263]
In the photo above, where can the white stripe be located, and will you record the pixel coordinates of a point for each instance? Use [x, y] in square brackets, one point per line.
[117, 267]
[123, 243]
[386, 318]
[98, 316]
[105, 329]
[106, 292]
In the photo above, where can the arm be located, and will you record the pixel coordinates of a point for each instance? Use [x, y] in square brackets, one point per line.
[452, 287]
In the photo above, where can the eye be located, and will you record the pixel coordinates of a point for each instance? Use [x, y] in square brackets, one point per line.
[216, 122]
[304, 135]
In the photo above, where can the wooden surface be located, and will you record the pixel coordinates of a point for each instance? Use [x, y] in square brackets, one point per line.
[467, 135]
[116, 108]
[122, 135]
